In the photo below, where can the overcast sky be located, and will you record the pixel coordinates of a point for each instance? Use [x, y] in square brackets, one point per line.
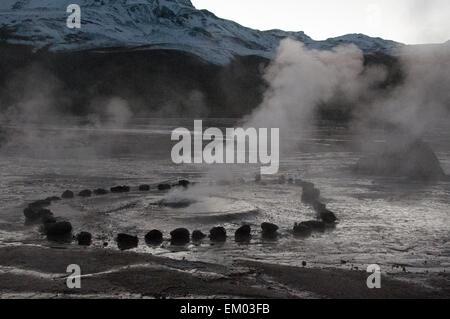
[407, 21]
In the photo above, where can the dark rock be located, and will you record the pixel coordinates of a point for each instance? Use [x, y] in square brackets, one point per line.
[269, 228]
[180, 236]
[100, 191]
[125, 241]
[84, 239]
[243, 233]
[40, 203]
[304, 263]
[324, 214]
[164, 187]
[85, 193]
[218, 234]
[402, 156]
[36, 214]
[313, 225]
[301, 230]
[184, 183]
[144, 188]
[53, 199]
[120, 189]
[198, 235]
[58, 229]
[67, 194]
[154, 237]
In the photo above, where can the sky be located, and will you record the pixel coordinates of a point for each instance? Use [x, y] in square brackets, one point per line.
[406, 21]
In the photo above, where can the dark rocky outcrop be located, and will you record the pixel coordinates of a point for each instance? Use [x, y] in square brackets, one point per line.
[120, 189]
[402, 157]
[154, 237]
[85, 193]
[218, 234]
[269, 230]
[67, 194]
[180, 236]
[243, 233]
[84, 239]
[100, 191]
[197, 235]
[125, 241]
[144, 188]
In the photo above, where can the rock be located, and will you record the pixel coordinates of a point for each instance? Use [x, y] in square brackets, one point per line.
[198, 235]
[164, 187]
[269, 227]
[313, 225]
[218, 234]
[304, 263]
[301, 230]
[40, 203]
[67, 194]
[144, 188]
[84, 239]
[327, 216]
[324, 214]
[184, 183]
[58, 229]
[243, 233]
[402, 156]
[269, 230]
[100, 191]
[53, 199]
[85, 193]
[125, 241]
[180, 236]
[154, 237]
[120, 189]
[36, 214]
[282, 179]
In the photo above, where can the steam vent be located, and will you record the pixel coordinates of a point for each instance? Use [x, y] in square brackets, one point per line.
[415, 160]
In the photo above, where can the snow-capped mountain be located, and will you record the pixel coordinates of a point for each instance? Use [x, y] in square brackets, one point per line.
[152, 24]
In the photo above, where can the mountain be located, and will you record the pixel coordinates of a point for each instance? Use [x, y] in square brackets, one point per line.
[152, 25]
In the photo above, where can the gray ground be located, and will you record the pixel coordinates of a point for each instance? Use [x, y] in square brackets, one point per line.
[28, 271]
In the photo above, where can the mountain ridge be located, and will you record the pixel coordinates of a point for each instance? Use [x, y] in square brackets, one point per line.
[154, 24]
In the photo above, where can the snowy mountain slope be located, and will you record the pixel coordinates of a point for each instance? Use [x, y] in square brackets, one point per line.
[152, 24]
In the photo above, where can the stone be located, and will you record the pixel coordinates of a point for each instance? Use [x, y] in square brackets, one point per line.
[180, 236]
[84, 239]
[197, 235]
[85, 193]
[144, 188]
[125, 241]
[120, 189]
[218, 234]
[243, 233]
[164, 187]
[67, 194]
[100, 191]
[154, 237]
